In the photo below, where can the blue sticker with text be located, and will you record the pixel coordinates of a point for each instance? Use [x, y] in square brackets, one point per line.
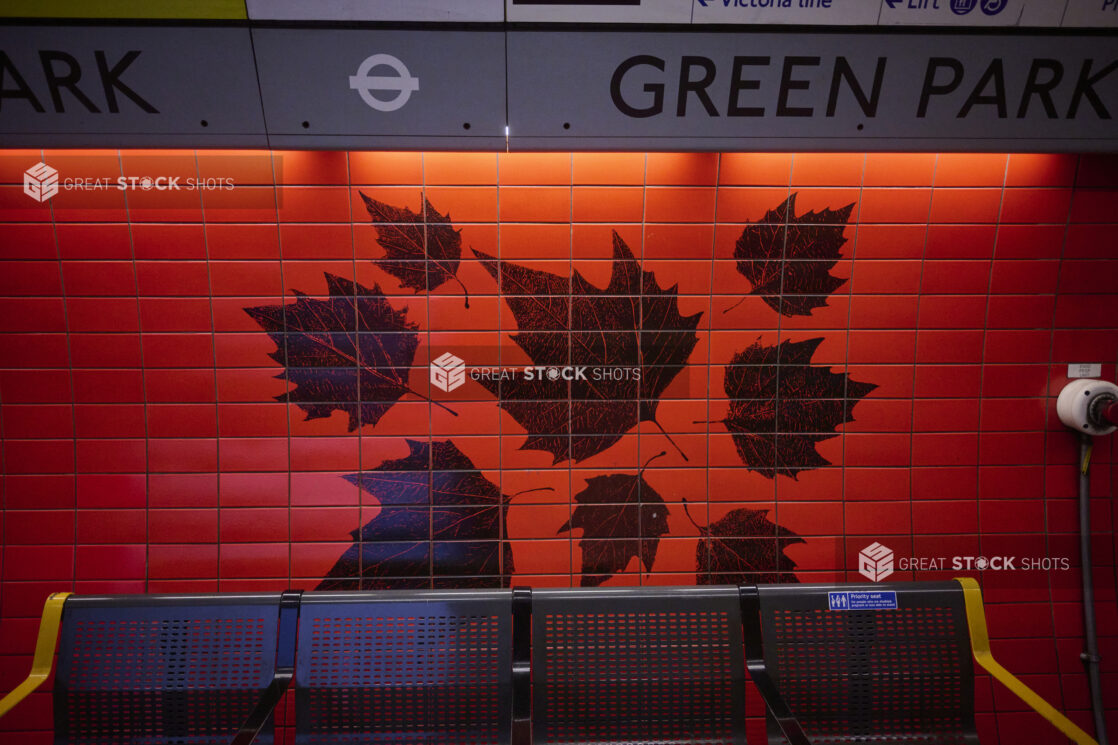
[876, 600]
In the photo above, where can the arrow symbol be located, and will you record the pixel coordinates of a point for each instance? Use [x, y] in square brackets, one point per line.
[704, 2]
[891, 3]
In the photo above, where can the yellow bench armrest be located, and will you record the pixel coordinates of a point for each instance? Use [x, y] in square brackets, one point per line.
[44, 652]
[980, 645]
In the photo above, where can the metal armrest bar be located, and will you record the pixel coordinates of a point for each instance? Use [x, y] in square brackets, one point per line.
[980, 645]
[521, 666]
[285, 669]
[44, 652]
[755, 663]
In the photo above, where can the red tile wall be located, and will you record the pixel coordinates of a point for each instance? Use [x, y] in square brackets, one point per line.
[143, 448]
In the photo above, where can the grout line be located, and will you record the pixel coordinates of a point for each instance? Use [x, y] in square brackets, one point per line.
[213, 356]
[916, 361]
[430, 407]
[360, 432]
[144, 392]
[1047, 434]
[915, 358]
[789, 217]
[276, 194]
[703, 571]
[570, 465]
[73, 400]
[640, 358]
[981, 397]
[847, 405]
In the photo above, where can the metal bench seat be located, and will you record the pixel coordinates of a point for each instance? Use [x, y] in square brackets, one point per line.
[404, 667]
[638, 665]
[874, 664]
[884, 675]
[163, 668]
[834, 664]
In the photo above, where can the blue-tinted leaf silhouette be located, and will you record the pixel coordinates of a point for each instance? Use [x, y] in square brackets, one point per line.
[441, 523]
[788, 259]
[350, 352]
[781, 405]
[631, 324]
[423, 249]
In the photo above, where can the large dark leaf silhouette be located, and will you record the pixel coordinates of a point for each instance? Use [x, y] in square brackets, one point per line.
[781, 405]
[788, 259]
[621, 516]
[744, 547]
[441, 522]
[631, 324]
[351, 352]
[423, 249]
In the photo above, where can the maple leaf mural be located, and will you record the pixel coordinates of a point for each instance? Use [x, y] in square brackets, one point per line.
[621, 516]
[788, 259]
[781, 405]
[631, 323]
[351, 352]
[441, 521]
[423, 249]
[743, 547]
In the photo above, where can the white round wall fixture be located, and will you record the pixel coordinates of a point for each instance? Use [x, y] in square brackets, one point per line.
[1080, 402]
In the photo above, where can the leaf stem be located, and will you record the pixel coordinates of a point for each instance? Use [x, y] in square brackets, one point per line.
[529, 491]
[661, 453]
[743, 297]
[688, 513]
[669, 437]
[464, 290]
[428, 399]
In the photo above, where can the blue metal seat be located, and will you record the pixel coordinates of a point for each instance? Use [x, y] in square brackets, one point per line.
[894, 668]
[410, 667]
[638, 665]
[150, 669]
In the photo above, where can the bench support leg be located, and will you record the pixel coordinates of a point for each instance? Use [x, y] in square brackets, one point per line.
[521, 666]
[755, 662]
[285, 669]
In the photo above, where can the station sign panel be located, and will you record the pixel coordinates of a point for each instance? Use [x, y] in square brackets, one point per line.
[966, 13]
[128, 86]
[1016, 13]
[454, 11]
[1091, 14]
[600, 11]
[324, 87]
[771, 90]
[801, 12]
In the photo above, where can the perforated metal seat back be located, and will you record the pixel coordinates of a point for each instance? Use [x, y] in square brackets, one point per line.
[404, 667]
[900, 675]
[162, 669]
[638, 665]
